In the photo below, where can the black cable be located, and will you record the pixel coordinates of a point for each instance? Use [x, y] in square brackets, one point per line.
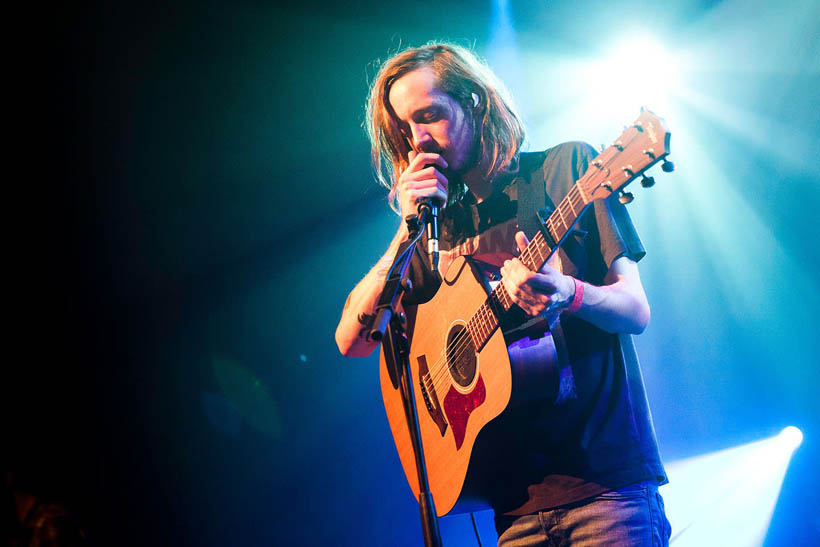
[475, 527]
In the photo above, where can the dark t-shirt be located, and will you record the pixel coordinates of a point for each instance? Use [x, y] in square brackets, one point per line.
[600, 436]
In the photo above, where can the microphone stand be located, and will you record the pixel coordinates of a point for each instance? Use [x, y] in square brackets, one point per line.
[389, 324]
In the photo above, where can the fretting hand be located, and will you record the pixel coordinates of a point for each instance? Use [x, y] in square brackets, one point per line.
[542, 292]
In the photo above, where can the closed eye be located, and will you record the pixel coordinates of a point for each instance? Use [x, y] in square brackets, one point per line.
[428, 115]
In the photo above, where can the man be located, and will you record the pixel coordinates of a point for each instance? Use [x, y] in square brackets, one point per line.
[585, 471]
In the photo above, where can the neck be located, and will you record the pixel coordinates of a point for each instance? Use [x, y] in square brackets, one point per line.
[480, 187]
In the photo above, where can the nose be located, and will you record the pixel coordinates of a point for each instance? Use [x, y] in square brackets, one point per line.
[421, 136]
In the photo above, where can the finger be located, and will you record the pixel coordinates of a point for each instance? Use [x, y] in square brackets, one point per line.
[521, 240]
[426, 187]
[428, 158]
[435, 187]
[524, 286]
[539, 282]
[427, 194]
[543, 284]
[516, 280]
[411, 155]
[428, 173]
[531, 307]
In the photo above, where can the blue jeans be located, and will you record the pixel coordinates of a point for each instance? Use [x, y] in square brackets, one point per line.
[630, 516]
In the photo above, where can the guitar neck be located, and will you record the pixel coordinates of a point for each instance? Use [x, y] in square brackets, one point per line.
[484, 322]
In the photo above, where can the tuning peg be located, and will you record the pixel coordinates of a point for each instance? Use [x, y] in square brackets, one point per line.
[626, 197]
[648, 182]
[667, 166]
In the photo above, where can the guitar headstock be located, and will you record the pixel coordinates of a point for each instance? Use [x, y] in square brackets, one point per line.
[639, 147]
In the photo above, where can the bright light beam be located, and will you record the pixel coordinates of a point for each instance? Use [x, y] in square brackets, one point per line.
[503, 55]
[638, 71]
[728, 497]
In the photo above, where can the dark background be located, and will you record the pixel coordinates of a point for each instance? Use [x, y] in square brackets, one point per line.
[195, 202]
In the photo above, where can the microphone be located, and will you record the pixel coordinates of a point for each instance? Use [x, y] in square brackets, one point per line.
[431, 207]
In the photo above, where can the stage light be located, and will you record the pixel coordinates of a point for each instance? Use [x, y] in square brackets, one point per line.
[727, 497]
[791, 437]
[635, 71]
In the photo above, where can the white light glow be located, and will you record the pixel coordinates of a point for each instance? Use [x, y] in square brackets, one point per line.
[727, 497]
[638, 71]
[792, 437]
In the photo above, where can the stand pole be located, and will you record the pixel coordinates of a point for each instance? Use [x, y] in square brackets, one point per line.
[390, 323]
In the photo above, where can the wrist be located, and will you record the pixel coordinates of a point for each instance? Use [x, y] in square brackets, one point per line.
[574, 303]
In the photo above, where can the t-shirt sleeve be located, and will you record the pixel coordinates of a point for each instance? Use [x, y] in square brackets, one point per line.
[617, 234]
[616, 231]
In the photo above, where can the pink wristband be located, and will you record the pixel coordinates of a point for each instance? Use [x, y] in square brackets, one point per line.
[575, 305]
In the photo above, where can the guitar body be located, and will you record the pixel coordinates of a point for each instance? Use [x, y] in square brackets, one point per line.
[458, 391]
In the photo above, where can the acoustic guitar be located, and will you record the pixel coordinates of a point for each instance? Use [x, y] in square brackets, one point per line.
[466, 371]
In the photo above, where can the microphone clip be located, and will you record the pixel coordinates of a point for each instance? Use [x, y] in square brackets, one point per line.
[428, 213]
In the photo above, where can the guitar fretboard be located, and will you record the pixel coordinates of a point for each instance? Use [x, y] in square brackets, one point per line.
[484, 322]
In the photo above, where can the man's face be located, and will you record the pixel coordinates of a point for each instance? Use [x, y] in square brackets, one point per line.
[431, 120]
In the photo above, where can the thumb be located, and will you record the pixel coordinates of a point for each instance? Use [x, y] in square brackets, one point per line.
[521, 240]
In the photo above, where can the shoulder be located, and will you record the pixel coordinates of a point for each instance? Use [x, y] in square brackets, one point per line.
[572, 151]
[566, 151]
[559, 166]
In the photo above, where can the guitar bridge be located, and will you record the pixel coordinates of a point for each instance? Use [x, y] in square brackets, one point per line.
[428, 393]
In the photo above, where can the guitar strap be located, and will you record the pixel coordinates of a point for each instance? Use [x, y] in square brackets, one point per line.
[533, 200]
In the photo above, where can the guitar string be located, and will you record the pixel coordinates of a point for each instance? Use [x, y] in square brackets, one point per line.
[439, 371]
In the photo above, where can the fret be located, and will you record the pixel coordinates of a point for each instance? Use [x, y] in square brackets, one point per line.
[530, 258]
[475, 329]
[472, 326]
[581, 195]
[566, 211]
[556, 237]
[538, 246]
[561, 215]
[491, 320]
[482, 325]
[544, 246]
[498, 297]
[569, 202]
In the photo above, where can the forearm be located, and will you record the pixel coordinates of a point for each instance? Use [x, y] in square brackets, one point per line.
[613, 309]
[359, 310]
[619, 306]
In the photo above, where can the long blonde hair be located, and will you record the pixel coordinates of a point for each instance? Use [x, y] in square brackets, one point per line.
[460, 74]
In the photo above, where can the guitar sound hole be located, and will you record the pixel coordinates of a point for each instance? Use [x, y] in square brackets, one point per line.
[461, 355]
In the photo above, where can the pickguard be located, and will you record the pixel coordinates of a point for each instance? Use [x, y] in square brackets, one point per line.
[458, 407]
